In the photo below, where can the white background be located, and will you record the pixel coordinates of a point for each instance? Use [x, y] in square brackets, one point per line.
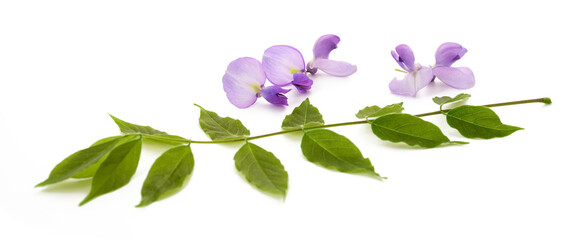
[64, 65]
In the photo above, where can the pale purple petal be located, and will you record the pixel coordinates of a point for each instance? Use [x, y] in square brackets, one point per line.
[412, 83]
[404, 56]
[242, 81]
[302, 82]
[334, 68]
[458, 77]
[324, 45]
[448, 53]
[281, 63]
[275, 95]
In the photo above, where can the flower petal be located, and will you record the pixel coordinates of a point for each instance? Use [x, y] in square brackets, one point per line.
[242, 80]
[458, 77]
[448, 53]
[405, 57]
[302, 82]
[334, 68]
[274, 95]
[281, 62]
[324, 45]
[412, 83]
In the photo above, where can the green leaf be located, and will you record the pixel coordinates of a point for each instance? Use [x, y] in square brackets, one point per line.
[116, 171]
[409, 129]
[305, 115]
[221, 128]
[376, 111]
[478, 122]
[445, 100]
[129, 128]
[81, 160]
[90, 171]
[261, 169]
[334, 151]
[167, 174]
[149, 133]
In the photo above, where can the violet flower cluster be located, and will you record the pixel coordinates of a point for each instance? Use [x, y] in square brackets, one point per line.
[419, 76]
[282, 65]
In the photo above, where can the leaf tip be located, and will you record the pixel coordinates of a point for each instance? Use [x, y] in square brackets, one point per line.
[41, 184]
[86, 200]
[142, 204]
[199, 106]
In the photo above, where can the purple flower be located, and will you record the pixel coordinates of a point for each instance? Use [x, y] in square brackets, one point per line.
[322, 48]
[417, 76]
[285, 65]
[456, 77]
[244, 81]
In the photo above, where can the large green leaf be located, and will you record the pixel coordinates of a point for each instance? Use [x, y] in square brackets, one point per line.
[167, 174]
[90, 171]
[262, 169]
[221, 128]
[81, 160]
[376, 111]
[334, 151]
[305, 115]
[408, 129]
[117, 170]
[478, 122]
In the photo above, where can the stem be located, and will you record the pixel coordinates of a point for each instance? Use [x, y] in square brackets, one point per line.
[536, 100]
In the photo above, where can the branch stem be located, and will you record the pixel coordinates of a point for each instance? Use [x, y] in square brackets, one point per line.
[536, 100]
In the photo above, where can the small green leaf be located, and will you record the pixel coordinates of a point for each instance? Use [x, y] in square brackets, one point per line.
[90, 171]
[376, 111]
[334, 151]
[167, 174]
[445, 100]
[262, 169]
[81, 160]
[116, 171]
[409, 129]
[305, 115]
[129, 128]
[478, 122]
[221, 128]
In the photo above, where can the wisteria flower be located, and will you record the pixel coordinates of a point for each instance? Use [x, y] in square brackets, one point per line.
[284, 65]
[417, 76]
[322, 48]
[456, 77]
[244, 82]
